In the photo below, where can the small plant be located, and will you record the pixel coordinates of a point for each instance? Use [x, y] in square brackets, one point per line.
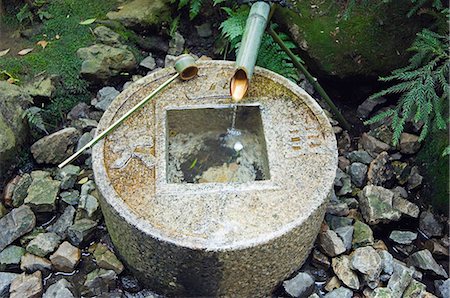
[34, 118]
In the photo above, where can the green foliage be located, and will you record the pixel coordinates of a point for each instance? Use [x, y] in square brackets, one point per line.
[420, 4]
[34, 118]
[270, 54]
[422, 86]
[24, 14]
[194, 6]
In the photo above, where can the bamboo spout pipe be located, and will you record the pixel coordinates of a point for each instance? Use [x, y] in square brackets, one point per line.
[248, 50]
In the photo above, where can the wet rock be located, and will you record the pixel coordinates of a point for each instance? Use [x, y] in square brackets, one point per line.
[100, 281]
[66, 257]
[341, 267]
[81, 110]
[346, 234]
[204, 30]
[42, 192]
[415, 289]
[44, 244]
[429, 225]
[330, 243]
[61, 289]
[68, 176]
[55, 148]
[387, 260]
[25, 285]
[70, 197]
[16, 224]
[63, 223]
[399, 280]
[5, 281]
[320, 260]
[403, 237]
[88, 207]
[362, 234]
[360, 156]
[21, 190]
[104, 98]
[341, 292]
[10, 257]
[372, 144]
[176, 44]
[405, 206]
[142, 13]
[424, 260]
[130, 283]
[367, 261]
[31, 263]
[376, 204]
[414, 179]
[368, 105]
[335, 222]
[107, 36]
[300, 285]
[101, 62]
[409, 143]
[148, 62]
[106, 259]
[358, 173]
[81, 231]
[442, 288]
[380, 170]
[338, 209]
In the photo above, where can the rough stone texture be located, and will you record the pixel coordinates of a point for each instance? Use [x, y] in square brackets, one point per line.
[70, 197]
[66, 257]
[107, 36]
[106, 259]
[142, 13]
[11, 256]
[424, 260]
[403, 237]
[41, 87]
[442, 288]
[238, 250]
[60, 289]
[400, 280]
[81, 231]
[55, 148]
[21, 190]
[100, 281]
[376, 204]
[380, 170]
[415, 289]
[104, 97]
[367, 261]
[29, 286]
[342, 267]
[5, 281]
[176, 45]
[300, 285]
[409, 143]
[429, 225]
[330, 243]
[42, 192]
[386, 262]
[44, 244]
[368, 105]
[341, 292]
[68, 176]
[405, 206]
[15, 224]
[362, 234]
[346, 234]
[101, 62]
[360, 156]
[63, 222]
[148, 62]
[358, 173]
[372, 144]
[31, 263]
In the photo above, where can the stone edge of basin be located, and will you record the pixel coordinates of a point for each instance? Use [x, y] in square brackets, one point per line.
[112, 198]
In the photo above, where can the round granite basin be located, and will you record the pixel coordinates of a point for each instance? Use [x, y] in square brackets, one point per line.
[190, 212]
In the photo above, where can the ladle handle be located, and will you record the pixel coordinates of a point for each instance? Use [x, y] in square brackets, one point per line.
[119, 121]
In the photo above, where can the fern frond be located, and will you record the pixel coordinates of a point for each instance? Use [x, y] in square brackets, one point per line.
[33, 115]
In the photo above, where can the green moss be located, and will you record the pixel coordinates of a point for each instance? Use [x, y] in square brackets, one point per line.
[371, 42]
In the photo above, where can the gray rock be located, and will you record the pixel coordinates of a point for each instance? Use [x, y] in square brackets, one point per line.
[107, 36]
[21, 190]
[429, 225]
[5, 281]
[16, 224]
[376, 205]
[362, 235]
[31, 263]
[55, 148]
[44, 244]
[60, 289]
[343, 181]
[335, 222]
[3, 210]
[130, 283]
[367, 261]
[400, 279]
[405, 206]
[403, 237]
[42, 192]
[66, 257]
[106, 259]
[346, 234]
[81, 231]
[409, 143]
[100, 281]
[41, 87]
[10, 257]
[169, 61]
[424, 260]
[386, 262]
[341, 292]
[414, 179]
[81, 110]
[204, 30]
[338, 209]
[101, 62]
[342, 268]
[104, 97]
[25, 285]
[70, 197]
[300, 285]
[142, 13]
[84, 139]
[149, 62]
[176, 45]
[320, 260]
[372, 144]
[415, 289]
[380, 170]
[442, 288]
[368, 105]
[358, 172]
[330, 243]
[360, 156]
[68, 176]
[88, 207]
[378, 293]
[63, 223]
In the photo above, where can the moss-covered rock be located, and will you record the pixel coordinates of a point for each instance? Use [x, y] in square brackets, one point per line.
[371, 42]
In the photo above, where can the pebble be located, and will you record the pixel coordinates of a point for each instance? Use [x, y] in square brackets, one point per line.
[429, 225]
[105, 96]
[403, 237]
[362, 235]
[367, 261]
[442, 288]
[320, 260]
[204, 30]
[81, 231]
[64, 221]
[341, 267]
[42, 192]
[60, 289]
[55, 148]
[44, 244]
[68, 176]
[330, 243]
[380, 170]
[21, 190]
[341, 292]
[5, 281]
[360, 156]
[15, 224]
[414, 179]
[358, 172]
[300, 285]
[31, 263]
[376, 205]
[10, 257]
[148, 62]
[66, 257]
[415, 289]
[409, 143]
[399, 280]
[176, 45]
[405, 206]
[372, 144]
[27, 285]
[332, 284]
[106, 259]
[100, 281]
[424, 260]
[346, 234]
[386, 262]
[70, 197]
[130, 283]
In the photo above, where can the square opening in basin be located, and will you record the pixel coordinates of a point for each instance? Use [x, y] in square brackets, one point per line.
[219, 144]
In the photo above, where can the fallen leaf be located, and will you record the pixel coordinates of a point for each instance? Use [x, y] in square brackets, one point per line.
[83, 180]
[57, 36]
[42, 43]
[3, 53]
[12, 80]
[88, 21]
[25, 51]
